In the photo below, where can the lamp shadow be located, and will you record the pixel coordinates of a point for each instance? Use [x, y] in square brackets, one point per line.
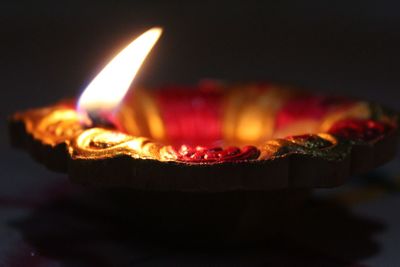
[83, 227]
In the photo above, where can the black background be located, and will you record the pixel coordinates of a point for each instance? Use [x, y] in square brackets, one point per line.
[52, 49]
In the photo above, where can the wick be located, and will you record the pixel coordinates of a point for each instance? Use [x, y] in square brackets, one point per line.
[101, 119]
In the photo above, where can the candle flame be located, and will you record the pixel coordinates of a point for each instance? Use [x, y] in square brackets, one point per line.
[109, 87]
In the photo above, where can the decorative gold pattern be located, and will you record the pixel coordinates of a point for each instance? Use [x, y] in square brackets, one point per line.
[243, 121]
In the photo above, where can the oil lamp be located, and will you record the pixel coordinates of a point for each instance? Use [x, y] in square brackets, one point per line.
[212, 146]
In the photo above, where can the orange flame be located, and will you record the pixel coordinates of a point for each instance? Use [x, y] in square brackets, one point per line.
[109, 87]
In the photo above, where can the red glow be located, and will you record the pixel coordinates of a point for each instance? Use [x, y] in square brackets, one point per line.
[191, 116]
[309, 107]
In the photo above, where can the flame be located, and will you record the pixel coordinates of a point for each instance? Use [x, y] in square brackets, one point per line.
[108, 88]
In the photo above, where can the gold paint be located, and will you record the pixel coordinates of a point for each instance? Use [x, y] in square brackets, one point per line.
[51, 125]
[96, 143]
[328, 137]
[271, 148]
[251, 122]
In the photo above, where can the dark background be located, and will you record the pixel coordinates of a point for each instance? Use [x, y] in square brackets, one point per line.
[52, 49]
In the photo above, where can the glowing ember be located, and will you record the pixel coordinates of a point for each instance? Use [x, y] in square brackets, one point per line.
[104, 94]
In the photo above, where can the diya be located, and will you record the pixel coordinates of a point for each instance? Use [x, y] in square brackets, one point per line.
[232, 158]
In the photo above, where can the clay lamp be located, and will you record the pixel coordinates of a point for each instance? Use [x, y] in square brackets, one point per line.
[210, 156]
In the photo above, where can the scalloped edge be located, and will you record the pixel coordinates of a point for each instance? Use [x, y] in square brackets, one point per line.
[292, 170]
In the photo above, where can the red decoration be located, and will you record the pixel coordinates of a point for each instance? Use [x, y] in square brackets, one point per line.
[362, 130]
